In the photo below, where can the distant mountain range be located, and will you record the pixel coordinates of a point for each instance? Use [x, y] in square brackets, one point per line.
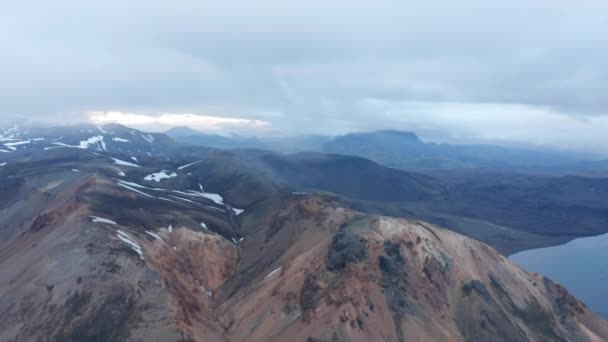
[509, 210]
[287, 144]
[404, 150]
[108, 233]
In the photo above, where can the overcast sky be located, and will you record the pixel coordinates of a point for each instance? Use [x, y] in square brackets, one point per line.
[532, 72]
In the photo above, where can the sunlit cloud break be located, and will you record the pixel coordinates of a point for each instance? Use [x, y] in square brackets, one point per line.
[202, 122]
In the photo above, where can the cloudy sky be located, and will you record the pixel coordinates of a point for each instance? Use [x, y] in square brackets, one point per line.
[531, 72]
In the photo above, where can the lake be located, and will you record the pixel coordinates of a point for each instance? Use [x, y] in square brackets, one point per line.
[580, 265]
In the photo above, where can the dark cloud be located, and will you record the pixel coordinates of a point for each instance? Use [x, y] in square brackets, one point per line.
[316, 66]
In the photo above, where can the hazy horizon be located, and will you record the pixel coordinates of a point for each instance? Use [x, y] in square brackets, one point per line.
[268, 137]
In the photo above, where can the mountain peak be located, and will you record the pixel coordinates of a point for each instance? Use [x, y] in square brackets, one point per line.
[400, 134]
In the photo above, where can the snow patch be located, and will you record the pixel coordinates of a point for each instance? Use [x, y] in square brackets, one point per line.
[117, 139]
[183, 199]
[96, 141]
[2, 164]
[188, 165]
[120, 183]
[217, 198]
[214, 197]
[147, 137]
[122, 162]
[154, 235]
[126, 238]
[17, 143]
[236, 242]
[138, 185]
[131, 186]
[210, 207]
[158, 176]
[272, 273]
[166, 199]
[97, 219]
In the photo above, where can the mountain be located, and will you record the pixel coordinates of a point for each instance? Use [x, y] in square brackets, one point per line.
[183, 131]
[111, 138]
[405, 150]
[349, 176]
[394, 141]
[202, 246]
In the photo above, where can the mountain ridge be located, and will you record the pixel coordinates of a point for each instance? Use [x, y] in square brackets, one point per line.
[405, 150]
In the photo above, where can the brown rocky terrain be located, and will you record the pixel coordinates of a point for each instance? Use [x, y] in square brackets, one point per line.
[85, 256]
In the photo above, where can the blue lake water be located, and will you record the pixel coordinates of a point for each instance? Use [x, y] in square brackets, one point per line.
[581, 266]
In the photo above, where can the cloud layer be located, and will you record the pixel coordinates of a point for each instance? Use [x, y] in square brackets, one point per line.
[517, 71]
[168, 120]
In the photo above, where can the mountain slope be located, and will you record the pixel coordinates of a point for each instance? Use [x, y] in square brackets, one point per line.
[88, 254]
[349, 176]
